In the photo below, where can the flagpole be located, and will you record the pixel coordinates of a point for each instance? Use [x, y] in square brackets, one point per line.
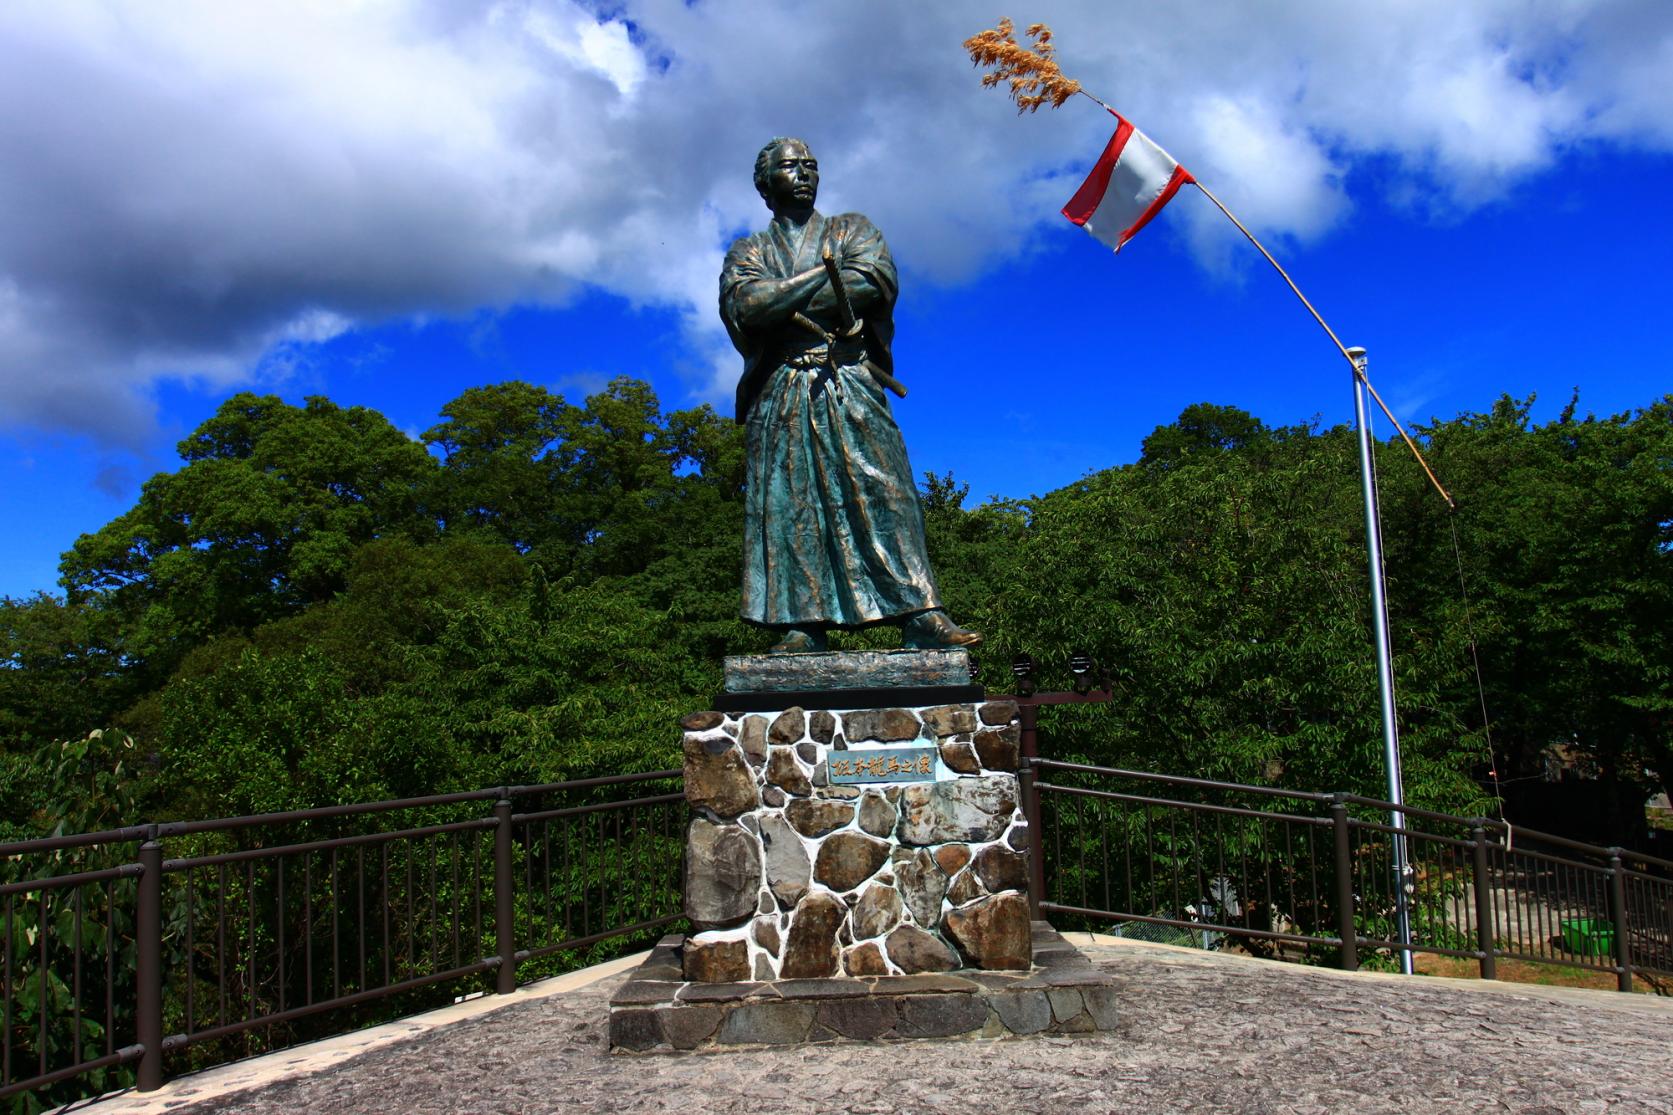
[1385, 664]
[1379, 587]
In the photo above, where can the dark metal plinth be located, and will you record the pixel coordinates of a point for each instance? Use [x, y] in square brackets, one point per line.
[916, 697]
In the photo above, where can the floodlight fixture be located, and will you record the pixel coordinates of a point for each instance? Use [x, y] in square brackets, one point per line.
[1022, 668]
[1082, 664]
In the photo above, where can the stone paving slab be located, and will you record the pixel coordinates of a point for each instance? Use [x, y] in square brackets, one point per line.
[1199, 1032]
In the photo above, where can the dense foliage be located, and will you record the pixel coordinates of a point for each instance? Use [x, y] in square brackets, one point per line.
[315, 607]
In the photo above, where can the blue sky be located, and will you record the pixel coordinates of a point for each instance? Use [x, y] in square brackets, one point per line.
[442, 195]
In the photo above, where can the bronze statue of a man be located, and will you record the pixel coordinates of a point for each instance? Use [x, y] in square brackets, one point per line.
[833, 531]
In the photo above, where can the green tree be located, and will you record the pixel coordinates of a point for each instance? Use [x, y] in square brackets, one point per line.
[259, 524]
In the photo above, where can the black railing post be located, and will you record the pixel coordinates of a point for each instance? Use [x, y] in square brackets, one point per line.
[1028, 718]
[1344, 886]
[1618, 914]
[1483, 903]
[148, 973]
[505, 933]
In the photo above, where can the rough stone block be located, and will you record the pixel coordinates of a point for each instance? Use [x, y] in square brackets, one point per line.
[877, 816]
[1001, 869]
[847, 859]
[939, 1016]
[788, 868]
[753, 739]
[966, 809]
[964, 888]
[722, 874]
[717, 778]
[921, 883]
[689, 1027]
[1065, 1003]
[950, 720]
[865, 960]
[716, 961]
[1103, 1004]
[960, 756]
[788, 726]
[859, 1019]
[998, 748]
[885, 725]
[784, 772]
[877, 912]
[993, 932]
[998, 712]
[951, 858]
[811, 951]
[766, 1024]
[821, 726]
[914, 951]
[1022, 1012]
[637, 1030]
[817, 816]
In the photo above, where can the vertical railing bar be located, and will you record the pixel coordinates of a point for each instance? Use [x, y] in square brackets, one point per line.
[383, 907]
[435, 909]
[475, 866]
[279, 926]
[1126, 857]
[1345, 924]
[308, 928]
[412, 949]
[43, 931]
[1618, 914]
[453, 891]
[568, 874]
[110, 966]
[1173, 857]
[75, 993]
[250, 907]
[336, 939]
[6, 1039]
[546, 855]
[505, 939]
[148, 963]
[191, 954]
[614, 861]
[1081, 807]
[1483, 902]
[221, 939]
[360, 911]
[1104, 809]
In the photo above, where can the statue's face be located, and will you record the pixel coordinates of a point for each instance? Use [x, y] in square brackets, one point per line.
[793, 178]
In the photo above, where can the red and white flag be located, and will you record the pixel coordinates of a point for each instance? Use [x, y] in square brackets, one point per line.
[1129, 184]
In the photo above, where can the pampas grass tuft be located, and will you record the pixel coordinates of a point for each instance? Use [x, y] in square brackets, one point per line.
[1033, 75]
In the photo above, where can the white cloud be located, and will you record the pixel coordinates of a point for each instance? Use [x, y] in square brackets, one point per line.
[198, 189]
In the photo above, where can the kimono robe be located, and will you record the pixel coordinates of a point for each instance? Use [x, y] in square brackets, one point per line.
[833, 529]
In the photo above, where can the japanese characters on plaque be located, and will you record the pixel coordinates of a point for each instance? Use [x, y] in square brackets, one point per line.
[884, 764]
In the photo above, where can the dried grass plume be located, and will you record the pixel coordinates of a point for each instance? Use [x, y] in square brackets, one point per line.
[1033, 75]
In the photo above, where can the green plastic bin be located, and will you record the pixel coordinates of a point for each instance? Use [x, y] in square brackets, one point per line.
[1589, 937]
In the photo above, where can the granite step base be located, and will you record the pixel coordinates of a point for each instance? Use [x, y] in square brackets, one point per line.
[657, 1011]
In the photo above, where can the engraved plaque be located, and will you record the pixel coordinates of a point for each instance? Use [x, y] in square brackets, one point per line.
[882, 764]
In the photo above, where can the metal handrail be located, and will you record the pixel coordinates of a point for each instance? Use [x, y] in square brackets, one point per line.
[407, 954]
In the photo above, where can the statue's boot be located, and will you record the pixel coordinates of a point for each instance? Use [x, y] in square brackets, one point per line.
[800, 640]
[935, 630]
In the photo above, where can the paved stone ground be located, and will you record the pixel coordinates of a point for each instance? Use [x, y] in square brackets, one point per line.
[1204, 1033]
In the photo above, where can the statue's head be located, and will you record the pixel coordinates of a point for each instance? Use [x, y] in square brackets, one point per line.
[786, 175]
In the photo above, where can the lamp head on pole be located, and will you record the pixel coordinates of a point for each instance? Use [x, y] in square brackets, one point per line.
[1357, 355]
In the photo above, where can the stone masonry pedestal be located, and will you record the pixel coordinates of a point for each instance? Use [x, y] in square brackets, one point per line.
[834, 851]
